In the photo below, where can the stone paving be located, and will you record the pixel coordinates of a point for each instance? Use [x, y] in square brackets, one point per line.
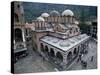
[92, 51]
[35, 63]
[32, 63]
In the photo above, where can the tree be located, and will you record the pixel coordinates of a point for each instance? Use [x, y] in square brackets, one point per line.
[83, 18]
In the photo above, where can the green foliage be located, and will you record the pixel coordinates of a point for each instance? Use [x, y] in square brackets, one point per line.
[34, 10]
[84, 15]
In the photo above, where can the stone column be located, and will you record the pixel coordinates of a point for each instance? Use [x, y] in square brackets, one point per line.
[14, 44]
[14, 41]
[64, 62]
[23, 36]
[64, 59]
[55, 52]
[79, 47]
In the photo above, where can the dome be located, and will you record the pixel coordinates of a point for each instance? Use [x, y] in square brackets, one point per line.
[54, 13]
[64, 43]
[26, 23]
[67, 13]
[40, 19]
[76, 22]
[44, 14]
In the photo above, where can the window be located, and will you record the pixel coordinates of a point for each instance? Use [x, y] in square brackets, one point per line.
[18, 35]
[18, 6]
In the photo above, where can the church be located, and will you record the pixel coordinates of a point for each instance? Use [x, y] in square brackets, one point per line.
[57, 37]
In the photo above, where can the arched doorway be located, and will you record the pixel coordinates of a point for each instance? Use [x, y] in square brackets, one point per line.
[42, 47]
[18, 35]
[46, 50]
[16, 17]
[52, 52]
[59, 57]
[75, 51]
[69, 56]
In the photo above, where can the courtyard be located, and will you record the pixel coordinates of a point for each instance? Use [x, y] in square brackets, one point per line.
[34, 62]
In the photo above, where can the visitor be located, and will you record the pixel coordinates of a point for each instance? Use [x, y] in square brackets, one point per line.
[78, 59]
[85, 64]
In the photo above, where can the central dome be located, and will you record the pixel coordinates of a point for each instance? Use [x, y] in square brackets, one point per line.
[67, 13]
[40, 19]
[54, 13]
[44, 14]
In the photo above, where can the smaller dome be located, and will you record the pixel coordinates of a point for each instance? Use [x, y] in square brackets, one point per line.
[44, 14]
[26, 23]
[67, 13]
[76, 22]
[40, 19]
[54, 13]
[64, 43]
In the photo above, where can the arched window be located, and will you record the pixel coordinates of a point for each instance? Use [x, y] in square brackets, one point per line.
[16, 17]
[18, 35]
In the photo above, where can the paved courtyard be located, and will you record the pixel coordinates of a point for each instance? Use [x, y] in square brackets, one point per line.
[35, 63]
[32, 63]
[92, 51]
